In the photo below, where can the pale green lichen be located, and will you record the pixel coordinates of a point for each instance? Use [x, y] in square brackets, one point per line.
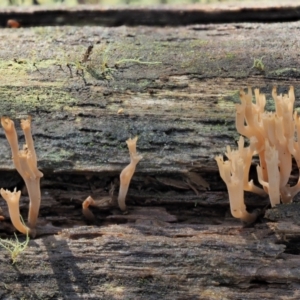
[14, 246]
[258, 64]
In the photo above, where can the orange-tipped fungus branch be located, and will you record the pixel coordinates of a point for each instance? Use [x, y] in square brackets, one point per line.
[234, 173]
[25, 162]
[12, 199]
[127, 173]
[85, 208]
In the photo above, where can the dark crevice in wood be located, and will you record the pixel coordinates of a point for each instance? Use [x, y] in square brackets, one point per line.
[151, 16]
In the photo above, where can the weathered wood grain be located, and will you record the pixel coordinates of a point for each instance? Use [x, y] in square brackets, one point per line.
[142, 261]
[157, 252]
[181, 104]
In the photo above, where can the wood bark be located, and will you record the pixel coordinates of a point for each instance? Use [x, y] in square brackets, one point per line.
[177, 88]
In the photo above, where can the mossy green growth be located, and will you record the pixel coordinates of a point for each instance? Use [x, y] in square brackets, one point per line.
[285, 72]
[270, 104]
[105, 60]
[258, 64]
[14, 246]
[25, 87]
[19, 72]
[23, 100]
[228, 101]
[57, 155]
[230, 55]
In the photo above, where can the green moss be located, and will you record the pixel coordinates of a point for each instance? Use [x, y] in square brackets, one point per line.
[22, 91]
[19, 71]
[285, 72]
[57, 155]
[258, 64]
[228, 101]
[14, 246]
[23, 100]
[270, 104]
[230, 55]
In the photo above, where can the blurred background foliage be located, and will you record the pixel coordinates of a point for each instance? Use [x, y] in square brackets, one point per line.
[108, 2]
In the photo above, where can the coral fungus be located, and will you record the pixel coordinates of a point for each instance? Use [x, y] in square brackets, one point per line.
[127, 173]
[25, 162]
[275, 137]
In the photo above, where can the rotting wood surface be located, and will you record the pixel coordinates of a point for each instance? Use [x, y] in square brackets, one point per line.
[172, 244]
[155, 260]
[178, 95]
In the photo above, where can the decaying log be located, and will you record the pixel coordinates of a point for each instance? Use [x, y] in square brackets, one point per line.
[88, 89]
[177, 88]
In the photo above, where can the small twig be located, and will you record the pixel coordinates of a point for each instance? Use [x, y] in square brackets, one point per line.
[87, 54]
[70, 69]
[80, 73]
[37, 68]
[138, 61]
[60, 67]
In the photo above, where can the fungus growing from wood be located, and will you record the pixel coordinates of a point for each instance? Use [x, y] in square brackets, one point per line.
[85, 208]
[12, 199]
[127, 173]
[102, 203]
[275, 137]
[25, 162]
[234, 173]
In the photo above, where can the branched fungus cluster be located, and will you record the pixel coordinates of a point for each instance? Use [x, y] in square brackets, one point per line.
[275, 138]
[25, 162]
